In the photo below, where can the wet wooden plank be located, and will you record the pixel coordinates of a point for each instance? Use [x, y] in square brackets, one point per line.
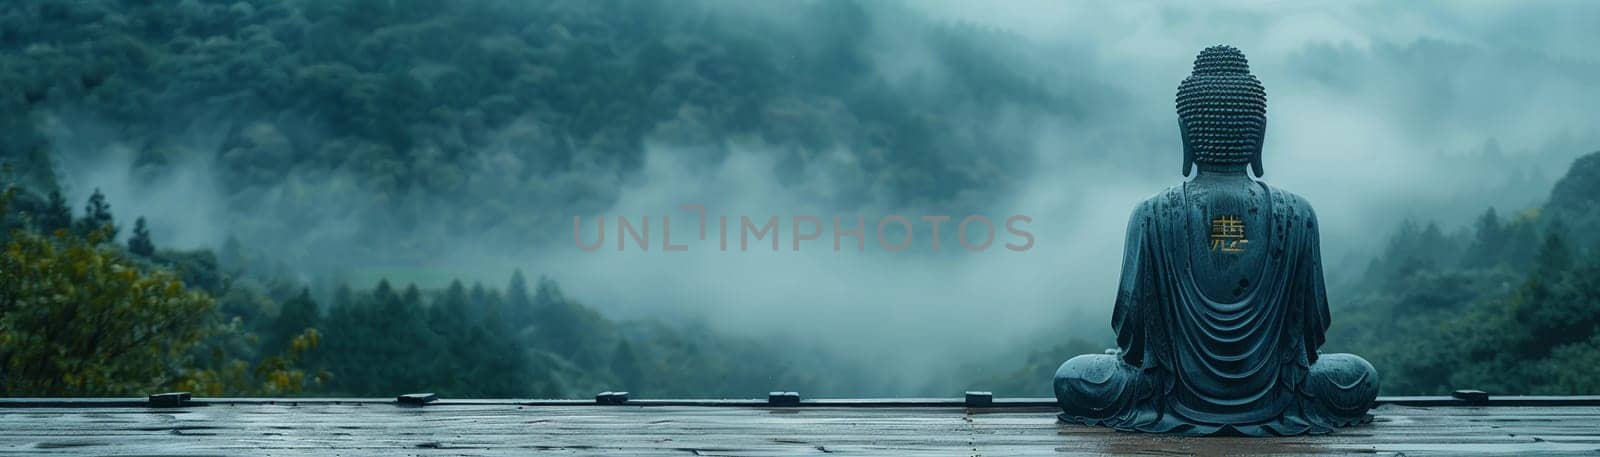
[355, 428]
[999, 402]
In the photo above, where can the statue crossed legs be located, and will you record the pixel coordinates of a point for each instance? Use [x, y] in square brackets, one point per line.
[1221, 308]
[1099, 389]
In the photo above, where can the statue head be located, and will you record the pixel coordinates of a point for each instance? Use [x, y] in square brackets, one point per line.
[1222, 112]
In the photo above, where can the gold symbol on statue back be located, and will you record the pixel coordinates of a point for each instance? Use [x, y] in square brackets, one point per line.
[1227, 234]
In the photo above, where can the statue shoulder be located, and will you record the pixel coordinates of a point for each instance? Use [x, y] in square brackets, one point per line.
[1171, 197]
[1292, 202]
[1155, 209]
[1152, 207]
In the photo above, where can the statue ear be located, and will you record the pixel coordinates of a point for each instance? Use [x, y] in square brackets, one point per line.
[1255, 156]
[1188, 151]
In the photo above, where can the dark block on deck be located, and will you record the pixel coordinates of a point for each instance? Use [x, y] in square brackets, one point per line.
[169, 399]
[611, 398]
[416, 399]
[1471, 396]
[783, 398]
[979, 399]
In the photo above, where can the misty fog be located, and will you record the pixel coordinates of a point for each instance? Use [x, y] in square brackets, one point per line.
[1377, 116]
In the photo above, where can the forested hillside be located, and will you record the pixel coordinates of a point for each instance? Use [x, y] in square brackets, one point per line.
[83, 314]
[1510, 305]
[369, 197]
[356, 133]
[431, 120]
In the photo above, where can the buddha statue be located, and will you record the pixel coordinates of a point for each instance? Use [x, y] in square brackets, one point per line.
[1221, 308]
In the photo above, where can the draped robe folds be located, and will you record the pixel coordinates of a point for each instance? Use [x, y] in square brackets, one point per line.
[1246, 362]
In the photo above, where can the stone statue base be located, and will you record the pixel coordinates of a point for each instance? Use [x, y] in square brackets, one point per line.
[1101, 390]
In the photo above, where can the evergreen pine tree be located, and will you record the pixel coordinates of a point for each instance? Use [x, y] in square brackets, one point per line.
[57, 215]
[1489, 241]
[139, 243]
[97, 216]
[1554, 257]
[296, 315]
[519, 306]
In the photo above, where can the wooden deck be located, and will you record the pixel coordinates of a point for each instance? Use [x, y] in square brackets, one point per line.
[487, 427]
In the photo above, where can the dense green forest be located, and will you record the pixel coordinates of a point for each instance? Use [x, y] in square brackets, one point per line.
[405, 109]
[377, 120]
[131, 318]
[388, 130]
[1510, 304]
